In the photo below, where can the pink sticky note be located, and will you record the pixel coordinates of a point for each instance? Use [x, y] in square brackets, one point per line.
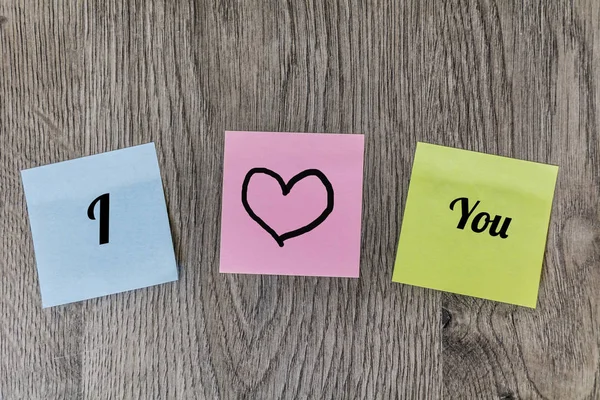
[292, 204]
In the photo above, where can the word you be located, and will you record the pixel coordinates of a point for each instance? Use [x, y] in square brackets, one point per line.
[476, 225]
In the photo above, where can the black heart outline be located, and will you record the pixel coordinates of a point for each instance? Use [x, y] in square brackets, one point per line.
[285, 190]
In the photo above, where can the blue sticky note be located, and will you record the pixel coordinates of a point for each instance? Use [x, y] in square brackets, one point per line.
[99, 225]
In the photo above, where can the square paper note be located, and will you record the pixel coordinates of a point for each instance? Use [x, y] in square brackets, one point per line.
[292, 204]
[475, 224]
[99, 225]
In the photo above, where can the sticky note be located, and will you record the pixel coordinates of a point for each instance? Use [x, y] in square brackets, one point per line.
[475, 224]
[99, 225]
[292, 204]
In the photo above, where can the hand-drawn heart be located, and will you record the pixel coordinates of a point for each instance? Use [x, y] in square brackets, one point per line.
[285, 190]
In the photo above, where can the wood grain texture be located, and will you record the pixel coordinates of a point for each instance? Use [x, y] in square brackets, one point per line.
[512, 78]
[529, 74]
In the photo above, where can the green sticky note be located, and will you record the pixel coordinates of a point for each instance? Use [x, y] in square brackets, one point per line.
[475, 224]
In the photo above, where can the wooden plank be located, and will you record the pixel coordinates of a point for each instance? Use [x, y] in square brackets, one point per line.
[528, 77]
[510, 78]
[85, 77]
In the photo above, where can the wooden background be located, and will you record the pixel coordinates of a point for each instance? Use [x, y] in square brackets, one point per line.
[515, 78]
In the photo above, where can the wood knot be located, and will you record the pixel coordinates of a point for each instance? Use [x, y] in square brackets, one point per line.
[507, 395]
[3, 20]
[446, 317]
